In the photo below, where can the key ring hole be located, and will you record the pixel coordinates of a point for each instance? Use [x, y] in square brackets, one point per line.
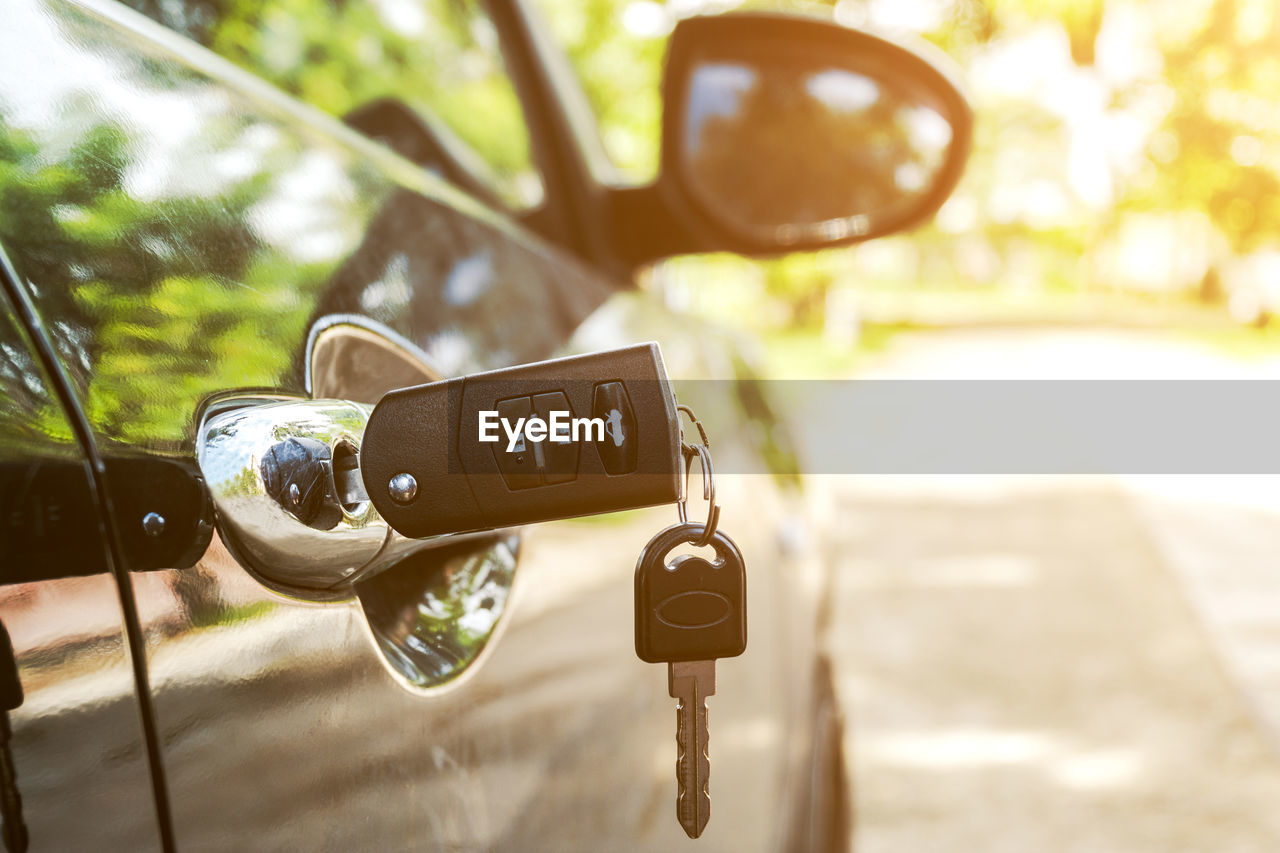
[687, 548]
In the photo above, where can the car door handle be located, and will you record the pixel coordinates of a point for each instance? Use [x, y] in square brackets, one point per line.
[284, 478]
[291, 508]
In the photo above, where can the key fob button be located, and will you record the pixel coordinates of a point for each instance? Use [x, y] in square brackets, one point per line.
[519, 466]
[619, 449]
[559, 462]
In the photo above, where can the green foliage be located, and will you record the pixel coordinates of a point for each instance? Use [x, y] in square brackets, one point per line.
[159, 301]
[1216, 150]
[620, 73]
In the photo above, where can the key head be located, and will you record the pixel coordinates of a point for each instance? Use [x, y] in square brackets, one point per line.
[687, 608]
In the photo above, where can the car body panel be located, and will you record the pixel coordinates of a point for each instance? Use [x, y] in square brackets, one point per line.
[182, 229]
[77, 737]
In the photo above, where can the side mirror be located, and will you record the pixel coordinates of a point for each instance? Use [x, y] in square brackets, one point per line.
[784, 134]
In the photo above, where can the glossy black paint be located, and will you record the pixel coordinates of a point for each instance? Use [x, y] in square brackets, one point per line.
[47, 507]
[83, 746]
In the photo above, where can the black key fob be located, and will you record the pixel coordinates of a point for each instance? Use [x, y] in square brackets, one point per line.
[556, 439]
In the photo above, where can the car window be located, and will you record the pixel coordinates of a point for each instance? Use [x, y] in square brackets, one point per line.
[441, 58]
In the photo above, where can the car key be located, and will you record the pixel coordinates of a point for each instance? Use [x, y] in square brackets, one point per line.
[466, 454]
[689, 612]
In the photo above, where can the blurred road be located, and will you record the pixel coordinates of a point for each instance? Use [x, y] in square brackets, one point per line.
[1060, 664]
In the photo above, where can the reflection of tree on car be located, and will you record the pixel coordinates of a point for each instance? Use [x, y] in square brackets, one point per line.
[150, 288]
[439, 57]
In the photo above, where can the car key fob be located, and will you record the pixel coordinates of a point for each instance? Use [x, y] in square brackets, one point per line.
[556, 439]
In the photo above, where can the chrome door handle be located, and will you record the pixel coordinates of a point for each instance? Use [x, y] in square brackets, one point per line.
[284, 478]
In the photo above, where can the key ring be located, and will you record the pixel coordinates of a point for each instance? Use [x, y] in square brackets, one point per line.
[703, 452]
[702, 432]
[708, 492]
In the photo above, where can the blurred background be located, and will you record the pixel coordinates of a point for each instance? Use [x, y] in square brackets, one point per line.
[1029, 663]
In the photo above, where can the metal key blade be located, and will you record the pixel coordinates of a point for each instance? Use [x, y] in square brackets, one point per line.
[691, 682]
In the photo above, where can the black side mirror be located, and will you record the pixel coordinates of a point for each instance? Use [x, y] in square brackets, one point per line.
[784, 134]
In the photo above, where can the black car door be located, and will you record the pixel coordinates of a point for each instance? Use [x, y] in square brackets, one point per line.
[78, 741]
[191, 235]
